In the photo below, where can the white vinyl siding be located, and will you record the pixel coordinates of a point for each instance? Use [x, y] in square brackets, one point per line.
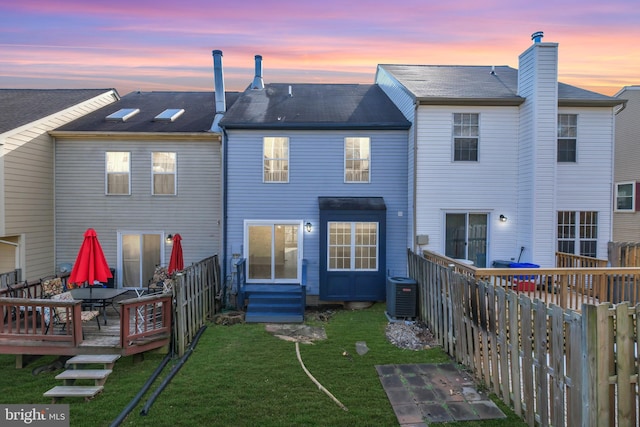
[474, 187]
[164, 173]
[587, 185]
[537, 152]
[27, 197]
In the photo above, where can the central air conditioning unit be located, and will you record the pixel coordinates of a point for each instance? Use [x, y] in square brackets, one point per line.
[402, 297]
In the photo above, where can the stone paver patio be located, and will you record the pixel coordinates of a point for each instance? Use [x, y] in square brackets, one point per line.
[434, 392]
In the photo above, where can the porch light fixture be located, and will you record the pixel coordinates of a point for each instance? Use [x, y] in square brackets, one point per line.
[169, 239]
[307, 227]
[503, 218]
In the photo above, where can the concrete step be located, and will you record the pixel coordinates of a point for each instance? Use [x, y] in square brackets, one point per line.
[71, 375]
[107, 360]
[60, 391]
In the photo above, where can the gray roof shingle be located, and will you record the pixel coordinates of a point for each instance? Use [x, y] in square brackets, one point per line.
[21, 106]
[314, 106]
[477, 84]
[199, 111]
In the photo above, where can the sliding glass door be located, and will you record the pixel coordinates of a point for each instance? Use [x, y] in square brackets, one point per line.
[273, 252]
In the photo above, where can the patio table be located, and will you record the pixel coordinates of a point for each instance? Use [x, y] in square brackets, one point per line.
[101, 297]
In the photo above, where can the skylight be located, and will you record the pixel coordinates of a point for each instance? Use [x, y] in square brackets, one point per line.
[123, 114]
[169, 115]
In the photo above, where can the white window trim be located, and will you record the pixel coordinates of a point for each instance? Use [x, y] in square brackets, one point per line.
[577, 240]
[633, 197]
[576, 137]
[106, 175]
[288, 160]
[353, 247]
[344, 166]
[175, 175]
[454, 136]
[245, 255]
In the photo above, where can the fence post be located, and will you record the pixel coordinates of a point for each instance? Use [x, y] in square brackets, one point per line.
[595, 375]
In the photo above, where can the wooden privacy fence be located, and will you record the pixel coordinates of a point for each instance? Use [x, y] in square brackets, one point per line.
[624, 254]
[553, 366]
[195, 290]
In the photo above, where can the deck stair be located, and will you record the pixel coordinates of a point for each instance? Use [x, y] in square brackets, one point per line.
[275, 303]
[78, 372]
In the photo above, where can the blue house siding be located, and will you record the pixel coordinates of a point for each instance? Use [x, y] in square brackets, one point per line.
[316, 169]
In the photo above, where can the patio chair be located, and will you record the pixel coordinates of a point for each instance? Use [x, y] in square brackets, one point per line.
[60, 316]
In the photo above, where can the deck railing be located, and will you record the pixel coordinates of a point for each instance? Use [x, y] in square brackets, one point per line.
[27, 323]
[565, 260]
[145, 322]
[588, 281]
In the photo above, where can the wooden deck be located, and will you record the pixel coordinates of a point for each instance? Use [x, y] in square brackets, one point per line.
[139, 325]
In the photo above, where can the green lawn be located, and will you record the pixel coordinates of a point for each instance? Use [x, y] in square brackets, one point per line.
[242, 376]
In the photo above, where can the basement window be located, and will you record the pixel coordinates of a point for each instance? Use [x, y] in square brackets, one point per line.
[123, 114]
[169, 115]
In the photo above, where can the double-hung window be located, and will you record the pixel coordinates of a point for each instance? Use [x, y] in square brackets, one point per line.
[578, 233]
[276, 159]
[567, 138]
[357, 158]
[625, 197]
[117, 170]
[466, 132]
[353, 246]
[163, 173]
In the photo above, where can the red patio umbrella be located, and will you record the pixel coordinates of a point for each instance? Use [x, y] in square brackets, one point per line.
[176, 263]
[90, 265]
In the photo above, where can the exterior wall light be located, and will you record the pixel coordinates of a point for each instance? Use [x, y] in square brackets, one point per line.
[503, 218]
[307, 227]
[169, 239]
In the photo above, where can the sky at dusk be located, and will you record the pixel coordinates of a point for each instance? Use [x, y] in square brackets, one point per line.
[166, 45]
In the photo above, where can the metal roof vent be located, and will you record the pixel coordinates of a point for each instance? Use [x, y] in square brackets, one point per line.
[537, 36]
[258, 83]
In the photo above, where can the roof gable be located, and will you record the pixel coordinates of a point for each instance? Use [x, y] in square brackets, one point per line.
[23, 106]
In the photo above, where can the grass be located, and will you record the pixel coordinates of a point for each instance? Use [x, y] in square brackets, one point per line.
[242, 376]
